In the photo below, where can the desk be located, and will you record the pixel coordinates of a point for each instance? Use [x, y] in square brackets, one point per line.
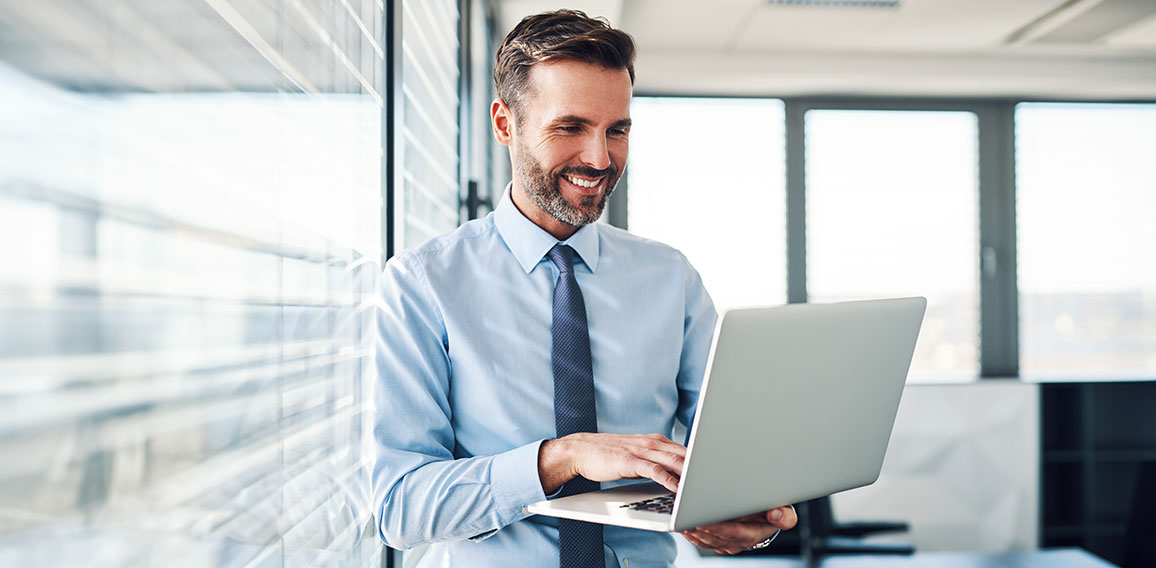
[1053, 558]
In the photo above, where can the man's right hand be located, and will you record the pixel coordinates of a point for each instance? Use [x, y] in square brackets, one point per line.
[607, 457]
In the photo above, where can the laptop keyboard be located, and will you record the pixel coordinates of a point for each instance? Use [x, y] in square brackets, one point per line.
[663, 504]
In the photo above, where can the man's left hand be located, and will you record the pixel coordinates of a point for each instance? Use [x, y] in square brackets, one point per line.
[735, 536]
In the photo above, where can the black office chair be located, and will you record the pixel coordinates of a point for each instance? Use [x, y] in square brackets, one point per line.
[818, 535]
[821, 535]
[1139, 546]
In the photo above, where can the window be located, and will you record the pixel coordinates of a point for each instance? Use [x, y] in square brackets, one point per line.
[1086, 200]
[892, 210]
[706, 176]
[428, 192]
[190, 199]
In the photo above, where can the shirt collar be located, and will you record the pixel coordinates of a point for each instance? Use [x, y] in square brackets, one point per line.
[530, 243]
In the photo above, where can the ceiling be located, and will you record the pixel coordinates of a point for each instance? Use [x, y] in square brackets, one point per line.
[1054, 49]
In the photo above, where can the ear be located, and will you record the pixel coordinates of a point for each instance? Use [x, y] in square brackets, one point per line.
[502, 122]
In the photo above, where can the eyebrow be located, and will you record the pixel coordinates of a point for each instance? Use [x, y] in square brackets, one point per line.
[575, 119]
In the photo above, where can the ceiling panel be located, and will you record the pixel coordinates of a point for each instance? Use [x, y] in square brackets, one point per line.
[930, 75]
[917, 26]
[814, 28]
[662, 24]
[1099, 21]
[1139, 35]
[510, 12]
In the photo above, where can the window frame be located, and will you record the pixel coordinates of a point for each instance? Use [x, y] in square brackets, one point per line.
[999, 321]
[999, 346]
[999, 312]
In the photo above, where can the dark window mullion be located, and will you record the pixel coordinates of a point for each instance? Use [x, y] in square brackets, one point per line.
[999, 313]
[796, 201]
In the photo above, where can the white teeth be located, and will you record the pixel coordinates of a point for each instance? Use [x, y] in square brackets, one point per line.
[582, 182]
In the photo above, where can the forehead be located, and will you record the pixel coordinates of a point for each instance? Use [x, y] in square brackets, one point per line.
[581, 89]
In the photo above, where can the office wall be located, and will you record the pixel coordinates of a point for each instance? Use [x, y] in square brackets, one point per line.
[190, 199]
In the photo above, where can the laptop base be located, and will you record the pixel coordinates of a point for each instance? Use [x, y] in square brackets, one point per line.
[605, 507]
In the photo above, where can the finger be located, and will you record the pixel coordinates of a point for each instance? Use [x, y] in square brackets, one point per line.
[706, 541]
[719, 542]
[723, 546]
[672, 450]
[783, 517]
[641, 445]
[661, 443]
[662, 439]
[656, 472]
[672, 462]
[694, 539]
[760, 517]
[739, 532]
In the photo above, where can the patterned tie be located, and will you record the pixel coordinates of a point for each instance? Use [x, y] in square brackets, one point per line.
[579, 543]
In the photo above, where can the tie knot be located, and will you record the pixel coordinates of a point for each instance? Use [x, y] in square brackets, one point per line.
[563, 257]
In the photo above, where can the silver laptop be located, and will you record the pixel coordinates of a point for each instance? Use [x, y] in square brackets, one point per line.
[797, 403]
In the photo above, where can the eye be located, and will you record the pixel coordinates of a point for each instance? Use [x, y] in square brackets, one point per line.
[618, 132]
[570, 129]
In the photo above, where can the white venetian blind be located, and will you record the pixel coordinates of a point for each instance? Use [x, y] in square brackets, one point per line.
[189, 232]
[428, 194]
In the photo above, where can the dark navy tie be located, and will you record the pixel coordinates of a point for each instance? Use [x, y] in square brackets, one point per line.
[579, 543]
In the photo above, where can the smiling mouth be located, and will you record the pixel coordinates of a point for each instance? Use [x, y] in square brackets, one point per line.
[585, 184]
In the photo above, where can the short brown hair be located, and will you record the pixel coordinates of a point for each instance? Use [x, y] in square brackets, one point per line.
[562, 35]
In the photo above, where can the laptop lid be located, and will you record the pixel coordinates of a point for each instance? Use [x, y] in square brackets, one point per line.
[798, 402]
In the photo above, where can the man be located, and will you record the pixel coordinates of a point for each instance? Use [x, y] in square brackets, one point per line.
[534, 352]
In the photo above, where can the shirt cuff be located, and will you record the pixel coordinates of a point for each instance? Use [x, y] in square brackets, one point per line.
[515, 482]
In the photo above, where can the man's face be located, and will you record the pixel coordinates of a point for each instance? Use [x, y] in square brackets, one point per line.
[570, 144]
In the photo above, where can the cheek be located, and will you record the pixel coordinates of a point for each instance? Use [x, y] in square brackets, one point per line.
[619, 161]
[619, 151]
[555, 155]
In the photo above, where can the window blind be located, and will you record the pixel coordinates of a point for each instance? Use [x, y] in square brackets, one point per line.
[190, 197]
[428, 192]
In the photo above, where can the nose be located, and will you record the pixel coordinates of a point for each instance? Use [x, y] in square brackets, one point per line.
[596, 152]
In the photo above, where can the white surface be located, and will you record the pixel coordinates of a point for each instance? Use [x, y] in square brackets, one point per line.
[962, 469]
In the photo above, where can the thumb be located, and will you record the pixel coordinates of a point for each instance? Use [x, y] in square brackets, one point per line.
[775, 515]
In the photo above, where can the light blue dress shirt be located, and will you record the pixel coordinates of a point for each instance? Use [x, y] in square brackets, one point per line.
[465, 392]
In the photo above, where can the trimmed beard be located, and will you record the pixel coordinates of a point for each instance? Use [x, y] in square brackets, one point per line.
[545, 189]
